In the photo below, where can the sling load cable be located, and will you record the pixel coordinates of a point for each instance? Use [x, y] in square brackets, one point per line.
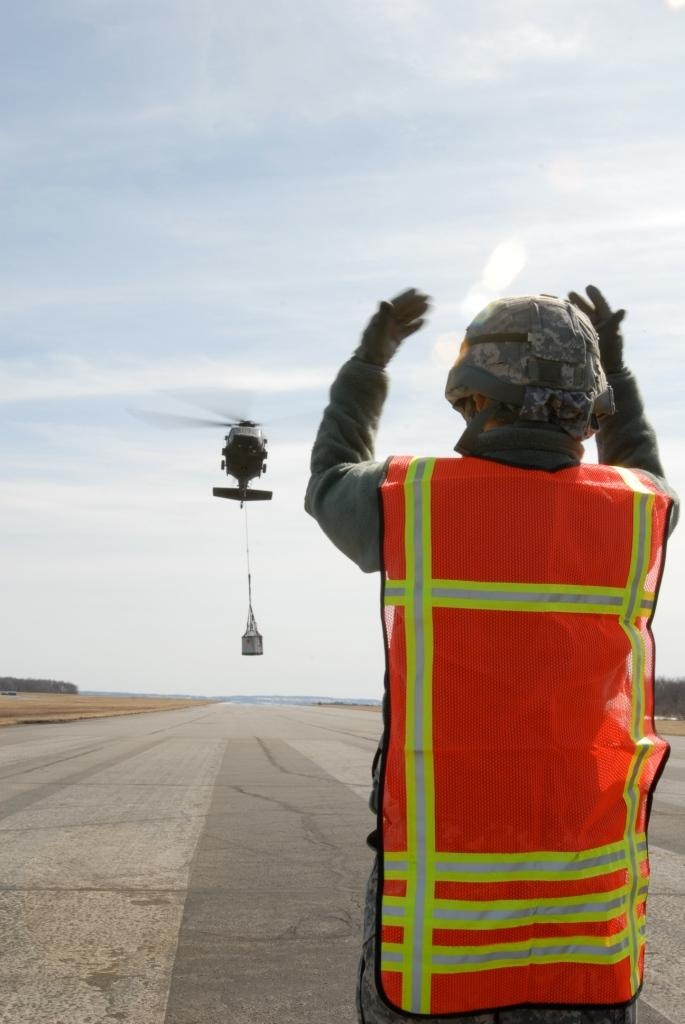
[252, 642]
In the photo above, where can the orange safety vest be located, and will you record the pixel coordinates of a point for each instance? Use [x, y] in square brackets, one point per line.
[519, 754]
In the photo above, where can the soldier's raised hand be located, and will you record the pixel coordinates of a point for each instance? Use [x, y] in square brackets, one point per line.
[606, 322]
[387, 329]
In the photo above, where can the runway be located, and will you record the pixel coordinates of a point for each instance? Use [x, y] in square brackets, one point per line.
[207, 866]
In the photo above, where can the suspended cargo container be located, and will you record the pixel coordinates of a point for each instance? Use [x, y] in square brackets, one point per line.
[253, 643]
[252, 640]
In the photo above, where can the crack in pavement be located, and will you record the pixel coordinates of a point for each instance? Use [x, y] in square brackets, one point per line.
[49, 764]
[267, 799]
[131, 785]
[281, 768]
[127, 891]
[102, 824]
[343, 732]
[181, 725]
[20, 801]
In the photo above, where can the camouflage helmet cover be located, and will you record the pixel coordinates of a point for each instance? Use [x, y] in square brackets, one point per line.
[538, 355]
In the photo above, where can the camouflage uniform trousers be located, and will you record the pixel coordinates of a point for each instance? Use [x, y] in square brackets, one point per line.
[372, 1010]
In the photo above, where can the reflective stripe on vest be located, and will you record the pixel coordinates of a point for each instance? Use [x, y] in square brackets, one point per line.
[459, 921]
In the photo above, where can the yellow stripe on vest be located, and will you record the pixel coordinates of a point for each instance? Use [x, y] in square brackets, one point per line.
[643, 502]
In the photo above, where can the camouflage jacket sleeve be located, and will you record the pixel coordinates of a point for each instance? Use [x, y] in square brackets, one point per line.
[343, 489]
[628, 439]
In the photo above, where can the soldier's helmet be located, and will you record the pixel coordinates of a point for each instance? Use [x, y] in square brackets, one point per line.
[536, 357]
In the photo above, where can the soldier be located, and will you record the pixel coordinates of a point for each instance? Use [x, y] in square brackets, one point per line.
[486, 931]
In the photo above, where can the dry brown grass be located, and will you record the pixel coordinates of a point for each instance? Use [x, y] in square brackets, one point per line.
[32, 708]
[667, 727]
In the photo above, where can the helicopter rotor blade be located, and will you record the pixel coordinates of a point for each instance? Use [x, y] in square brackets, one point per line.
[216, 401]
[169, 421]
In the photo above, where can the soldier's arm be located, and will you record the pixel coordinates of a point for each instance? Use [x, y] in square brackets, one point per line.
[628, 439]
[343, 488]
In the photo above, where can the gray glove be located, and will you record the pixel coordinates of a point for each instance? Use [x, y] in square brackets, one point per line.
[388, 328]
[606, 323]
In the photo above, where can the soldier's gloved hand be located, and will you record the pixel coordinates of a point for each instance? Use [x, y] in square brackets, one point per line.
[387, 329]
[607, 324]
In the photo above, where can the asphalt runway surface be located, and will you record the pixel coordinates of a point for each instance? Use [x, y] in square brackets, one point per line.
[207, 866]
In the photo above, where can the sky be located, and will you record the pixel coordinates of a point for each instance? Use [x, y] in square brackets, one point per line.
[203, 202]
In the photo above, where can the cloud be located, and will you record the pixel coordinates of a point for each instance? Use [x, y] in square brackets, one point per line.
[493, 55]
[70, 377]
[220, 69]
[566, 173]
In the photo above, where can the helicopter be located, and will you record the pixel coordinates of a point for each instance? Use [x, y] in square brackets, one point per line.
[244, 458]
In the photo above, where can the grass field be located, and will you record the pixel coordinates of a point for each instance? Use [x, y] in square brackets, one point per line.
[667, 727]
[32, 708]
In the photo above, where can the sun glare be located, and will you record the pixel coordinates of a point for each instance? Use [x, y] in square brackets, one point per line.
[446, 348]
[506, 262]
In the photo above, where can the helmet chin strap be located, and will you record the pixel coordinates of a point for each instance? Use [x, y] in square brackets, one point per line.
[467, 441]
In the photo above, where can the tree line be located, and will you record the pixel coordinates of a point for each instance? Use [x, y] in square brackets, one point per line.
[669, 697]
[37, 685]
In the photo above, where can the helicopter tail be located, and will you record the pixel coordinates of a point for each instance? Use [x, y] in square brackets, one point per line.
[236, 494]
